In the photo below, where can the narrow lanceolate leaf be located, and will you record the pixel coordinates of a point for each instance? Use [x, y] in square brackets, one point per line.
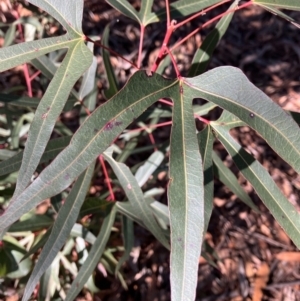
[227, 177]
[146, 170]
[186, 200]
[124, 7]
[203, 54]
[61, 229]
[54, 147]
[128, 238]
[31, 102]
[283, 211]
[136, 198]
[205, 140]
[180, 8]
[49, 109]
[111, 77]
[93, 137]
[67, 13]
[286, 4]
[88, 79]
[279, 13]
[19, 54]
[94, 255]
[230, 89]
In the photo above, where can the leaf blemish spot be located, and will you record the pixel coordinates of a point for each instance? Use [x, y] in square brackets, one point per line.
[251, 115]
[111, 124]
[67, 176]
[44, 115]
[129, 186]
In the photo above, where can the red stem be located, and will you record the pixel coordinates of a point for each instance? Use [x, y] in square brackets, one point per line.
[209, 22]
[111, 51]
[107, 179]
[139, 62]
[168, 14]
[201, 13]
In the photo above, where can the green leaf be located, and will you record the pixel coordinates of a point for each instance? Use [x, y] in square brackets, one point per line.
[136, 197]
[15, 55]
[110, 74]
[205, 140]
[186, 200]
[128, 238]
[179, 9]
[49, 109]
[145, 171]
[88, 79]
[125, 8]
[286, 4]
[61, 229]
[31, 102]
[35, 223]
[279, 13]
[226, 176]
[203, 55]
[53, 148]
[67, 13]
[230, 89]
[145, 10]
[92, 138]
[11, 264]
[94, 254]
[283, 211]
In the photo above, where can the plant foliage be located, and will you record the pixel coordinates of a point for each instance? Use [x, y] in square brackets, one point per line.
[70, 159]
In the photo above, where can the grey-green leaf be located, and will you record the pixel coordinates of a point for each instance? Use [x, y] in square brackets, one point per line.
[230, 89]
[94, 254]
[61, 229]
[186, 200]
[203, 55]
[205, 140]
[226, 176]
[92, 138]
[49, 109]
[283, 211]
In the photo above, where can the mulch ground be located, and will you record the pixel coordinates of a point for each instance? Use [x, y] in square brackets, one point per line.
[255, 258]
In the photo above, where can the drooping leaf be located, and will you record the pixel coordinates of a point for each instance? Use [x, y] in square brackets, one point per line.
[53, 148]
[229, 88]
[92, 138]
[128, 238]
[49, 109]
[110, 74]
[61, 229]
[279, 13]
[203, 55]
[283, 211]
[226, 176]
[285, 4]
[146, 170]
[94, 254]
[186, 200]
[206, 139]
[135, 197]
